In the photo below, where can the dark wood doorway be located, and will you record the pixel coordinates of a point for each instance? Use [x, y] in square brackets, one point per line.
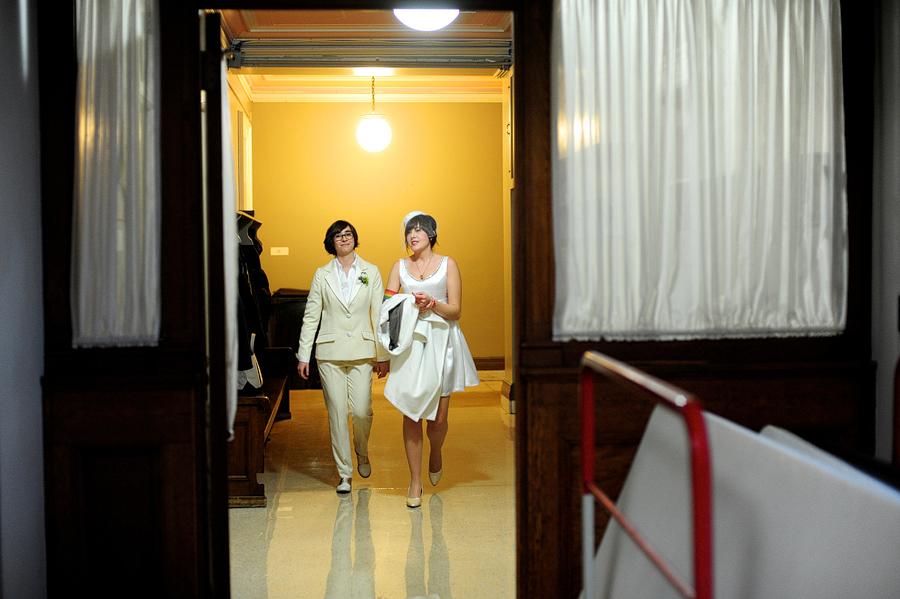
[133, 432]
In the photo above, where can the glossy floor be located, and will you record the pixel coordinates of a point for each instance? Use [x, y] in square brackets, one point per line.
[310, 542]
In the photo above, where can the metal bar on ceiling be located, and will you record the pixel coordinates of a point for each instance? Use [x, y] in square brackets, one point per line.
[386, 53]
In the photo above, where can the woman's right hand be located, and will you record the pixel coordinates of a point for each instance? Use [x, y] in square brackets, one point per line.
[303, 369]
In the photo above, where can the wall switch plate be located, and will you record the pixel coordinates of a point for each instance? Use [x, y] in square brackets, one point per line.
[278, 251]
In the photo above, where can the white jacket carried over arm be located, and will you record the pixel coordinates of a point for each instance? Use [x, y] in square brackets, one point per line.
[417, 358]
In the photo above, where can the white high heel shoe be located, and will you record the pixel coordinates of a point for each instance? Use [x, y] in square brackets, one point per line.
[435, 477]
[414, 501]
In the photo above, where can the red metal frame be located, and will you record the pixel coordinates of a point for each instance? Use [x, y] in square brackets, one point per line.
[689, 408]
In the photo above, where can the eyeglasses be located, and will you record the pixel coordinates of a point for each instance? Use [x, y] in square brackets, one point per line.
[343, 236]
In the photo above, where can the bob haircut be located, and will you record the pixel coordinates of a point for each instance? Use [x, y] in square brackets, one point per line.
[335, 229]
[424, 222]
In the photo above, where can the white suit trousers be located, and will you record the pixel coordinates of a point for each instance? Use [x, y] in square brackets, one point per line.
[347, 386]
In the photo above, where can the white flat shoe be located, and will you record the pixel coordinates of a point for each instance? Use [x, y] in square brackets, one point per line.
[435, 477]
[413, 501]
[344, 486]
[364, 468]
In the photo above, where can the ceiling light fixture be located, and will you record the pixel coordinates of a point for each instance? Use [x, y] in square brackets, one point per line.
[426, 19]
[373, 133]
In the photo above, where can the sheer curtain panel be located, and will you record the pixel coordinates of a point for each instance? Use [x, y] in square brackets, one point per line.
[699, 180]
[231, 253]
[116, 224]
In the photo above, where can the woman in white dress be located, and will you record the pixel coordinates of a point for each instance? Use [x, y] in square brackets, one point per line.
[434, 284]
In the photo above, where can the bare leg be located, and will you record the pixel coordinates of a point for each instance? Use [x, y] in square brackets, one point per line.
[437, 432]
[413, 440]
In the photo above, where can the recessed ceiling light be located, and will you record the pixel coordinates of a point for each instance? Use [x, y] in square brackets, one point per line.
[426, 19]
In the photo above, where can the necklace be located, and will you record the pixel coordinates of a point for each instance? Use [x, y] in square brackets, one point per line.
[422, 272]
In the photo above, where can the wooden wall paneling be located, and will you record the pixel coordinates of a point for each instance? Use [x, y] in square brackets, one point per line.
[121, 492]
[533, 219]
[182, 185]
[125, 446]
[543, 462]
[541, 545]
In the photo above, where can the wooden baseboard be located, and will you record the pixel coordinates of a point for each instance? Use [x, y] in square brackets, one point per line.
[490, 363]
[246, 502]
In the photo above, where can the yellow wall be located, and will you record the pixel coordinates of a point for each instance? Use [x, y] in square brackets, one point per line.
[238, 102]
[445, 159]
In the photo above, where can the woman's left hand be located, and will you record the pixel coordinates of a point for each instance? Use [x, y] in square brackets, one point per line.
[423, 301]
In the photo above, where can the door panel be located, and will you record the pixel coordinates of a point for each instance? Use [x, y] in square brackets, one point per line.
[133, 496]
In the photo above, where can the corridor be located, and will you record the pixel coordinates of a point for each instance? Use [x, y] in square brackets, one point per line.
[309, 542]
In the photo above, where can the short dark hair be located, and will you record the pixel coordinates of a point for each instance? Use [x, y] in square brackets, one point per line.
[335, 229]
[424, 222]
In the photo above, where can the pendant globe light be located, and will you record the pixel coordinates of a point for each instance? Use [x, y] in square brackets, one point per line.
[426, 19]
[373, 133]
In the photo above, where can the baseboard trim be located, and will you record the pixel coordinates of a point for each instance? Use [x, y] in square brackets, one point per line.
[490, 363]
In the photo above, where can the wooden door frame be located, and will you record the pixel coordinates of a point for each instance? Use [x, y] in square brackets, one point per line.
[535, 567]
[547, 562]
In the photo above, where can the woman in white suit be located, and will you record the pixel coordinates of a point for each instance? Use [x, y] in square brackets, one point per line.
[345, 297]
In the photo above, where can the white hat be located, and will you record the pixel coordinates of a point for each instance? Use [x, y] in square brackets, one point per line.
[409, 217]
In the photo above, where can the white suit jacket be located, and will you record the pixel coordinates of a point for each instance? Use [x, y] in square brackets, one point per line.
[347, 329]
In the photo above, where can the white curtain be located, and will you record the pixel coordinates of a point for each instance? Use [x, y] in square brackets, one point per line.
[698, 177]
[231, 253]
[116, 228]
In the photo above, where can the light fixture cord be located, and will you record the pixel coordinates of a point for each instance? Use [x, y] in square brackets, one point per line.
[373, 94]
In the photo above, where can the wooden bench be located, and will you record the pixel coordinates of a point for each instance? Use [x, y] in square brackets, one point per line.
[253, 422]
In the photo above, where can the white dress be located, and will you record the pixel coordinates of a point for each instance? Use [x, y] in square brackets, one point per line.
[458, 370]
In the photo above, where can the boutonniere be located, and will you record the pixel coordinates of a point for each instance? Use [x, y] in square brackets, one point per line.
[364, 278]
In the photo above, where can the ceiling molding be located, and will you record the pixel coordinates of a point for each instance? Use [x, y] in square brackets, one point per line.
[309, 56]
[282, 87]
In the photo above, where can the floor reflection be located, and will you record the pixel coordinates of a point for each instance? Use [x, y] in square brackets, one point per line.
[352, 577]
[438, 557]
